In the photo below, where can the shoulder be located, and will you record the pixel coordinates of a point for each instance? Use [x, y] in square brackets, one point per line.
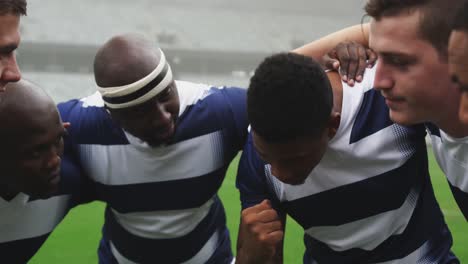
[250, 160]
[90, 123]
[216, 97]
[219, 106]
[89, 108]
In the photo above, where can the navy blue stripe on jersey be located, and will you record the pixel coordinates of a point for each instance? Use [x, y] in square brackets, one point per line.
[20, 251]
[202, 117]
[177, 194]
[433, 129]
[372, 116]
[462, 199]
[351, 202]
[87, 130]
[434, 234]
[417, 233]
[176, 250]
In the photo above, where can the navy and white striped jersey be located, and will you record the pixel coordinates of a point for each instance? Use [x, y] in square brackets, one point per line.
[162, 203]
[369, 200]
[452, 155]
[26, 222]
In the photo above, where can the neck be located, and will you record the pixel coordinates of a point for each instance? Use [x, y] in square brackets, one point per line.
[448, 120]
[453, 127]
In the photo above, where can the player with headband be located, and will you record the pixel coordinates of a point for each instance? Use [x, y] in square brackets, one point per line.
[157, 151]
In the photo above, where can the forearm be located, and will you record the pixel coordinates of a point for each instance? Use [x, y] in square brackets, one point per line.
[318, 48]
[244, 256]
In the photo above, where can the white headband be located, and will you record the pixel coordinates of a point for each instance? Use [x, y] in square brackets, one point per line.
[116, 95]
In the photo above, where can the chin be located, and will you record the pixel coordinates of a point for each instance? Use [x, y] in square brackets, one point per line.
[294, 181]
[155, 143]
[403, 119]
[49, 190]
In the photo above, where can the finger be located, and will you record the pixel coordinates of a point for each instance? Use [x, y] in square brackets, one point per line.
[343, 56]
[330, 61]
[263, 228]
[371, 57]
[353, 63]
[259, 229]
[330, 64]
[362, 63]
[268, 215]
[264, 205]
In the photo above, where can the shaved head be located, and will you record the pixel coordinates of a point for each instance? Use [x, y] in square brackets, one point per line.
[125, 59]
[21, 105]
[134, 78]
[32, 141]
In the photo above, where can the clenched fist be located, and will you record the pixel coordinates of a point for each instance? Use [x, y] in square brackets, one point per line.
[260, 234]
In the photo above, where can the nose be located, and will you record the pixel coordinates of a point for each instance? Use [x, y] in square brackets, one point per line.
[11, 72]
[162, 117]
[53, 159]
[383, 79]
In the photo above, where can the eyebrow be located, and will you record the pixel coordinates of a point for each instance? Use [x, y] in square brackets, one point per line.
[8, 48]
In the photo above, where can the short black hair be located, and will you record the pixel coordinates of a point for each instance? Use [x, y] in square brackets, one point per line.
[15, 7]
[461, 20]
[388, 8]
[436, 17]
[289, 97]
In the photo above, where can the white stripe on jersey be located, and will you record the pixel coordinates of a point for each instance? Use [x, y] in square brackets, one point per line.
[93, 100]
[452, 156]
[334, 169]
[201, 257]
[186, 159]
[163, 224]
[33, 219]
[367, 233]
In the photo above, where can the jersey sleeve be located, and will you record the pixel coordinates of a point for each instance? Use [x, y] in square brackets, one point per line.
[235, 114]
[75, 182]
[251, 179]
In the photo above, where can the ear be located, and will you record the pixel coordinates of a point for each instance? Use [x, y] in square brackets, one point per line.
[333, 124]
